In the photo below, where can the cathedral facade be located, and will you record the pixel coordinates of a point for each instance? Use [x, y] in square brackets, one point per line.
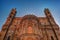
[30, 27]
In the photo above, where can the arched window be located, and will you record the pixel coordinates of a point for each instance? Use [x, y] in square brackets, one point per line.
[8, 38]
[52, 38]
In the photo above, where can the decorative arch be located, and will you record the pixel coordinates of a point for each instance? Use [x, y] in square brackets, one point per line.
[29, 28]
[29, 18]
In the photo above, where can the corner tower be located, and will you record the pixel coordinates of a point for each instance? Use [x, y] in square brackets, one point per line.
[53, 24]
[7, 24]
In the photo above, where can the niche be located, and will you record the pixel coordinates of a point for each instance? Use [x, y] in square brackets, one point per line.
[8, 38]
[52, 38]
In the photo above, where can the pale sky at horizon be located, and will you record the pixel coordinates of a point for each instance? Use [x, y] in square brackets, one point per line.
[24, 7]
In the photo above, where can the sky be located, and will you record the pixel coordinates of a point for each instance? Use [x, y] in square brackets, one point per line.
[24, 7]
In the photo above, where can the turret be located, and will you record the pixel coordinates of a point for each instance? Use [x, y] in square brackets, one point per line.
[52, 22]
[49, 16]
[9, 19]
[8, 23]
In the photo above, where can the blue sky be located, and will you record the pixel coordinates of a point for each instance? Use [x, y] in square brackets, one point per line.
[25, 7]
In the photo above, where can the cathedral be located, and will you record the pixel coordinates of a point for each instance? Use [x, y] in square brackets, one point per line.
[30, 27]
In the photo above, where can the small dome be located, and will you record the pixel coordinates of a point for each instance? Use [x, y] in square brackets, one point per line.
[30, 16]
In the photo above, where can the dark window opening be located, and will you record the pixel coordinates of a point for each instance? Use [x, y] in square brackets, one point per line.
[8, 38]
[52, 38]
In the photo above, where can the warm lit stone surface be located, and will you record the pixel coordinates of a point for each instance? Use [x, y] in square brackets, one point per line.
[30, 27]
